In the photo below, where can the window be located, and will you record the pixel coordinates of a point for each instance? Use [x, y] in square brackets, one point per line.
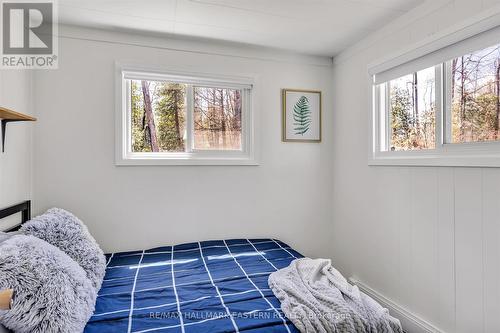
[441, 108]
[158, 115]
[177, 119]
[412, 115]
[217, 118]
[474, 93]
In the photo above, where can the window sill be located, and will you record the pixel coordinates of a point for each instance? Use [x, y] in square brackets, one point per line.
[185, 159]
[436, 159]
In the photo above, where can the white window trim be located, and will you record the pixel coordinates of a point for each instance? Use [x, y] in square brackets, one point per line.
[481, 154]
[248, 155]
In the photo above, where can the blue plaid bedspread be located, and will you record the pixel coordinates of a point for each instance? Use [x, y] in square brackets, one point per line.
[212, 286]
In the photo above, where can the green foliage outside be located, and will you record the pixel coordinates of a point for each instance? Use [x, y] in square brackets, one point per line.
[170, 109]
[168, 102]
[478, 123]
[410, 130]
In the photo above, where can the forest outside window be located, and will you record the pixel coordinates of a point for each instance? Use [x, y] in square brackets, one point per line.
[475, 96]
[412, 111]
[441, 112]
[181, 119]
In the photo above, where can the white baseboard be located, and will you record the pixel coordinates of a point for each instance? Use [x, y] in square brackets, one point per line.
[411, 323]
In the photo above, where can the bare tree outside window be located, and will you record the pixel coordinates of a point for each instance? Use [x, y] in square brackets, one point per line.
[217, 118]
[475, 109]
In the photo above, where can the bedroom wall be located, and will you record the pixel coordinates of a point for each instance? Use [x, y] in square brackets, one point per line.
[426, 237]
[288, 196]
[16, 162]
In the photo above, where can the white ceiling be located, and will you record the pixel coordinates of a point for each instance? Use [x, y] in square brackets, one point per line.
[320, 27]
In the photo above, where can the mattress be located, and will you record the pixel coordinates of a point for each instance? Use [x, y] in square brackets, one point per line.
[211, 286]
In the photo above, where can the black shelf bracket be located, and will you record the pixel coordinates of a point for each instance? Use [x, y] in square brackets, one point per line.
[4, 129]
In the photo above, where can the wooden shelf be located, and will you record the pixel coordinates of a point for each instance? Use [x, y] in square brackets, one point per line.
[9, 116]
[6, 114]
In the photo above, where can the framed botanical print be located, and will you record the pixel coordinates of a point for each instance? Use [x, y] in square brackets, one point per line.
[301, 115]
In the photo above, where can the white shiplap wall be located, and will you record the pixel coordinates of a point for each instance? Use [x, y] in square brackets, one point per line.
[425, 237]
[16, 162]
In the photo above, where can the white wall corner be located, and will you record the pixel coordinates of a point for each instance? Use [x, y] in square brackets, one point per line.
[398, 24]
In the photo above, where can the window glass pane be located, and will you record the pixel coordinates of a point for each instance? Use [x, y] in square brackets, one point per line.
[412, 118]
[475, 90]
[158, 111]
[217, 118]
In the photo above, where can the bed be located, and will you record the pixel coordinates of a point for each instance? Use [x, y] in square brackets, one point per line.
[210, 286]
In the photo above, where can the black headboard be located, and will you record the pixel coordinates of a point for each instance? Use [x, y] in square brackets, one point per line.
[24, 208]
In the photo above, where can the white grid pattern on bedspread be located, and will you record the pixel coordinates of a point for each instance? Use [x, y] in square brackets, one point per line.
[213, 286]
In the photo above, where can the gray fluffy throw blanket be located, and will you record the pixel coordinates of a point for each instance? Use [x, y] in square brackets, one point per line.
[52, 293]
[64, 230]
[317, 298]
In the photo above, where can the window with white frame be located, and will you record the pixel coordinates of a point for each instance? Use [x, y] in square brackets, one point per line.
[440, 108]
[183, 119]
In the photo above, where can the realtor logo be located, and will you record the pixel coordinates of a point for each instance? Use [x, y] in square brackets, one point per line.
[28, 30]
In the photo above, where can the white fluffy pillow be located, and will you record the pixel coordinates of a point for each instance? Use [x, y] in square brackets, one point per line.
[51, 291]
[64, 230]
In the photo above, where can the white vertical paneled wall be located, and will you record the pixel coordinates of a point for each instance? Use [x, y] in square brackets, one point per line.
[16, 162]
[425, 237]
[491, 249]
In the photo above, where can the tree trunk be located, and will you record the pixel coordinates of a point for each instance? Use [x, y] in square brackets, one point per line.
[236, 121]
[415, 99]
[462, 100]
[148, 110]
[237, 110]
[497, 118]
[453, 74]
[176, 119]
[213, 124]
[222, 118]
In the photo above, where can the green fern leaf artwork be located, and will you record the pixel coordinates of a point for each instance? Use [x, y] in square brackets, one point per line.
[302, 116]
